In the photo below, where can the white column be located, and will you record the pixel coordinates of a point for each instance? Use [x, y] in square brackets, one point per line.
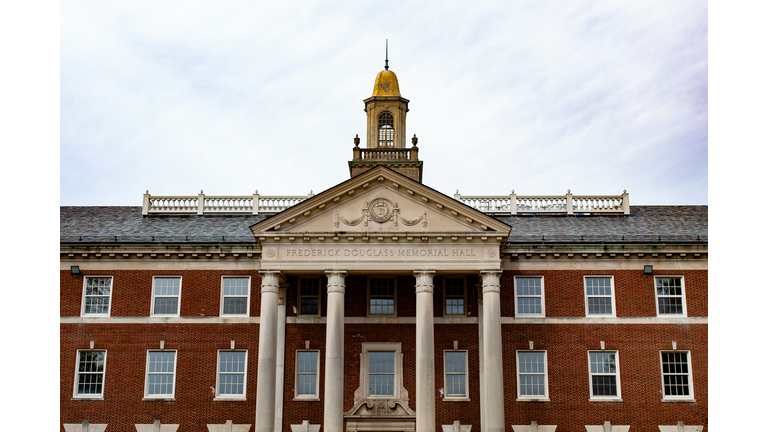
[280, 365]
[333, 417]
[479, 291]
[425, 352]
[267, 366]
[494, 377]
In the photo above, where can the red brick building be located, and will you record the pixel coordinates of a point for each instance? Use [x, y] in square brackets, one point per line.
[381, 304]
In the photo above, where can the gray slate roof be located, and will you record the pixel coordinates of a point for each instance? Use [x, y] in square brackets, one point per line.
[120, 225]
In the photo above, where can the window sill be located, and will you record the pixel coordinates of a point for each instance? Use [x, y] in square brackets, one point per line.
[306, 399]
[606, 400]
[88, 398]
[456, 399]
[230, 399]
[158, 399]
[533, 400]
[679, 400]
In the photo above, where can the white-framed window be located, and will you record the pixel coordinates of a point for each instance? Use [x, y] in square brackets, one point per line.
[529, 296]
[455, 295]
[97, 296]
[381, 370]
[235, 295]
[670, 296]
[309, 296]
[307, 374]
[160, 380]
[231, 374]
[166, 295]
[382, 296]
[532, 376]
[599, 296]
[604, 378]
[89, 373]
[455, 367]
[676, 378]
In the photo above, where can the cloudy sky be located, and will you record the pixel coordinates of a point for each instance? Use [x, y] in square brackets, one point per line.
[230, 97]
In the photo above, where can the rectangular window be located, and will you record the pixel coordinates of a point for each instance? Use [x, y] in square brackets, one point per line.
[166, 293]
[309, 296]
[529, 296]
[676, 375]
[230, 380]
[599, 296]
[381, 296]
[670, 296]
[456, 374]
[89, 378]
[97, 295]
[532, 375]
[455, 296]
[381, 373]
[604, 375]
[235, 295]
[307, 366]
[161, 374]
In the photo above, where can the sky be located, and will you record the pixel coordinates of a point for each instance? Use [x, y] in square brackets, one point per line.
[230, 97]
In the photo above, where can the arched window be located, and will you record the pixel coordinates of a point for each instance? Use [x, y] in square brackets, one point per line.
[386, 130]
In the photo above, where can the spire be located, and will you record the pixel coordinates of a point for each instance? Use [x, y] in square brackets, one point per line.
[386, 58]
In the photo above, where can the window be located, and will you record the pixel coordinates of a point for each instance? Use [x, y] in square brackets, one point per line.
[456, 375]
[89, 376]
[604, 375]
[307, 366]
[670, 296]
[230, 379]
[309, 296]
[235, 295]
[161, 374]
[455, 296]
[529, 296]
[386, 130]
[166, 292]
[532, 379]
[97, 295]
[381, 297]
[599, 296]
[381, 373]
[676, 375]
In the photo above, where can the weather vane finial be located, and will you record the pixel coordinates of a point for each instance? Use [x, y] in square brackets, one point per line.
[386, 59]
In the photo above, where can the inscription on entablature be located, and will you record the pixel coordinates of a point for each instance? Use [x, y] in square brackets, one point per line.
[378, 253]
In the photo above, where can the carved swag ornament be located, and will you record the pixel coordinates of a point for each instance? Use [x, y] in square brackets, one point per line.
[380, 210]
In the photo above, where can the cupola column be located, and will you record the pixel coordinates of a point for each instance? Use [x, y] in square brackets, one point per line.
[425, 352]
[492, 399]
[267, 365]
[333, 417]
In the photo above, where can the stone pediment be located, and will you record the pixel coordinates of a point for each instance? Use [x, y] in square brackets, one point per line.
[380, 201]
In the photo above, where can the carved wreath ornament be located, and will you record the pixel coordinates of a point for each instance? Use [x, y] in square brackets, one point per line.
[379, 210]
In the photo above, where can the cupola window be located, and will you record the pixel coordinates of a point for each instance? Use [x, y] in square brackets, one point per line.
[386, 130]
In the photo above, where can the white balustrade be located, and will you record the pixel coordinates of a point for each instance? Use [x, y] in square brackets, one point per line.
[546, 204]
[201, 204]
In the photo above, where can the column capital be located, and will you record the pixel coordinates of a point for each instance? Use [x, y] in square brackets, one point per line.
[336, 280]
[270, 281]
[491, 280]
[424, 280]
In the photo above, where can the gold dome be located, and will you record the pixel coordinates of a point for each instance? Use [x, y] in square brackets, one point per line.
[386, 84]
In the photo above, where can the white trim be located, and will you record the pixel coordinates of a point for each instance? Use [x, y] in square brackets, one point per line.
[152, 304]
[306, 397]
[527, 398]
[221, 296]
[445, 297]
[368, 347]
[368, 299]
[664, 397]
[613, 297]
[99, 396]
[219, 396]
[465, 396]
[529, 315]
[111, 291]
[319, 296]
[146, 375]
[594, 398]
[682, 292]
